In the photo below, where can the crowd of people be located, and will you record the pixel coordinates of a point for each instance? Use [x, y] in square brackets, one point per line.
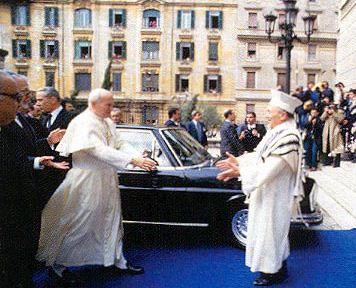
[58, 183]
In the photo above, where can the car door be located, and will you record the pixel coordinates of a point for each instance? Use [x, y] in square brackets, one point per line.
[144, 194]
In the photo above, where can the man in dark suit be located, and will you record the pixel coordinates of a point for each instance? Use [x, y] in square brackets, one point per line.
[19, 213]
[197, 129]
[229, 140]
[174, 118]
[251, 133]
[56, 121]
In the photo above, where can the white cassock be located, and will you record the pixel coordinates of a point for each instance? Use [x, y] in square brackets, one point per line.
[81, 223]
[269, 179]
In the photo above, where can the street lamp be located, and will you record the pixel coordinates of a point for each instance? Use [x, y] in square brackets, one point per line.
[287, 32]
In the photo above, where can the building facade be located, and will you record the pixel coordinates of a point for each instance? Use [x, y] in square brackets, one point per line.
[346, 47]
[162, 52]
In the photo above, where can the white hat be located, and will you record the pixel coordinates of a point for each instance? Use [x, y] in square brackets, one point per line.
[284, 101]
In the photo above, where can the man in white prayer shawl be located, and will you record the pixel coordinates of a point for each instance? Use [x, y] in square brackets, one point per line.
[82, 222]
[272, 180]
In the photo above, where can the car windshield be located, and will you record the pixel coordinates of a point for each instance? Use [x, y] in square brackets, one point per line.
[188, 150]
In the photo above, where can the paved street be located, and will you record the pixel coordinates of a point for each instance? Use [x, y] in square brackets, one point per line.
[337, 195]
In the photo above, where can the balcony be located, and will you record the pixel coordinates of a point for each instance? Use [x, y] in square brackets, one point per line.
[185, 67]
[214, 34]
[117, 32]
[50, 63]
[213, 67]
[83, 62]
[185, 35]
[21, 63]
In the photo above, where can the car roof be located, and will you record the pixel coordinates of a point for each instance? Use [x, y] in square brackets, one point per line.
[133, 126]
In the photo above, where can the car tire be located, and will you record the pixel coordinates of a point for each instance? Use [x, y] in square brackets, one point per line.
[238, 226]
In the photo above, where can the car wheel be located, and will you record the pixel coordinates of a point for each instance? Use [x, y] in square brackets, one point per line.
[239, 227]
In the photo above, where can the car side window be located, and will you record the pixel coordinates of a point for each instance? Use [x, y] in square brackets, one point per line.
[145, 142]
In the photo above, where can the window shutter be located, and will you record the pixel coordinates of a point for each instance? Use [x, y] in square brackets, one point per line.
[56, 18]
[207, 19]
[47, 12]
[220, 20]
[28, 48]
[56, 49]
[42, 48]
[111, 18]
[192, 51]
[179, 19]
[13, 14]
[14, 49]
[177, 82]
[192, 19]
[178, 51]
[123, 17]
[89, 17]
[219, 90]
[77, 51]
[110, 50]
[123, 56]
[206, 83]
[28, 16]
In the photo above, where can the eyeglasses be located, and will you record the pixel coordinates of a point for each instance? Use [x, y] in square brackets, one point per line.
[17, 96]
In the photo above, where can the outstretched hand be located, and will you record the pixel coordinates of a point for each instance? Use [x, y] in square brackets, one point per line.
[144, 163]
[229, 174]
[47, 161]
[225, 164]
[55, 136]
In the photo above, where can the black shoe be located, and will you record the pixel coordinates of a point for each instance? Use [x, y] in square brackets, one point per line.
[131, 269]
[270, 279]
[67, 279]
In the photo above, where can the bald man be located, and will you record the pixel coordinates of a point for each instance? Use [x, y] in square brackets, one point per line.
[19, 212]
[81, 223]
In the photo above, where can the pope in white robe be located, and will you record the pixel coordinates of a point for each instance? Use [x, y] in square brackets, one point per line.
[82, 222]
[271, 179]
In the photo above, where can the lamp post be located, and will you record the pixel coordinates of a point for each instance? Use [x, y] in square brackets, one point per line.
[287, 32]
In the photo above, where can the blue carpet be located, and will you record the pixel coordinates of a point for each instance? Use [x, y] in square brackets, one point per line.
[197, 259]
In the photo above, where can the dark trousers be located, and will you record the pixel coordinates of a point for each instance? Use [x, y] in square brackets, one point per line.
[332, 160]
[18, 241]
[311, 153]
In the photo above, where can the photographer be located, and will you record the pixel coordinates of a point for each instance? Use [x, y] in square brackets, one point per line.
[251, 133]
[333, 144]
[313, 140]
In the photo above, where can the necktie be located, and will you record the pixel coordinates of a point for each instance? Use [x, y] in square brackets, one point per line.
[48, 123]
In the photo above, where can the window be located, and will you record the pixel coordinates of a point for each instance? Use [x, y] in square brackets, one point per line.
[311, 77]
[51, 16]
[182, 83]
[311, 52]
[213, 51]
[282, 19]
[116, 82]
[281, 79]
[250, 108]
[150, 50]
[214, 20]
[83, 50]
[117, 50]
[184, 51]
[151, 19]
[150, 115]
[48, 48]
[83, 81]
[49, 79]
[251, 50]
[185, 19]
[20, 15]
[281, 54]
[117, 17]
[252, 20]
[82, 18]
[21, 72]
[150, 82]
[251, 80]
[212, 84]
[21, 48]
